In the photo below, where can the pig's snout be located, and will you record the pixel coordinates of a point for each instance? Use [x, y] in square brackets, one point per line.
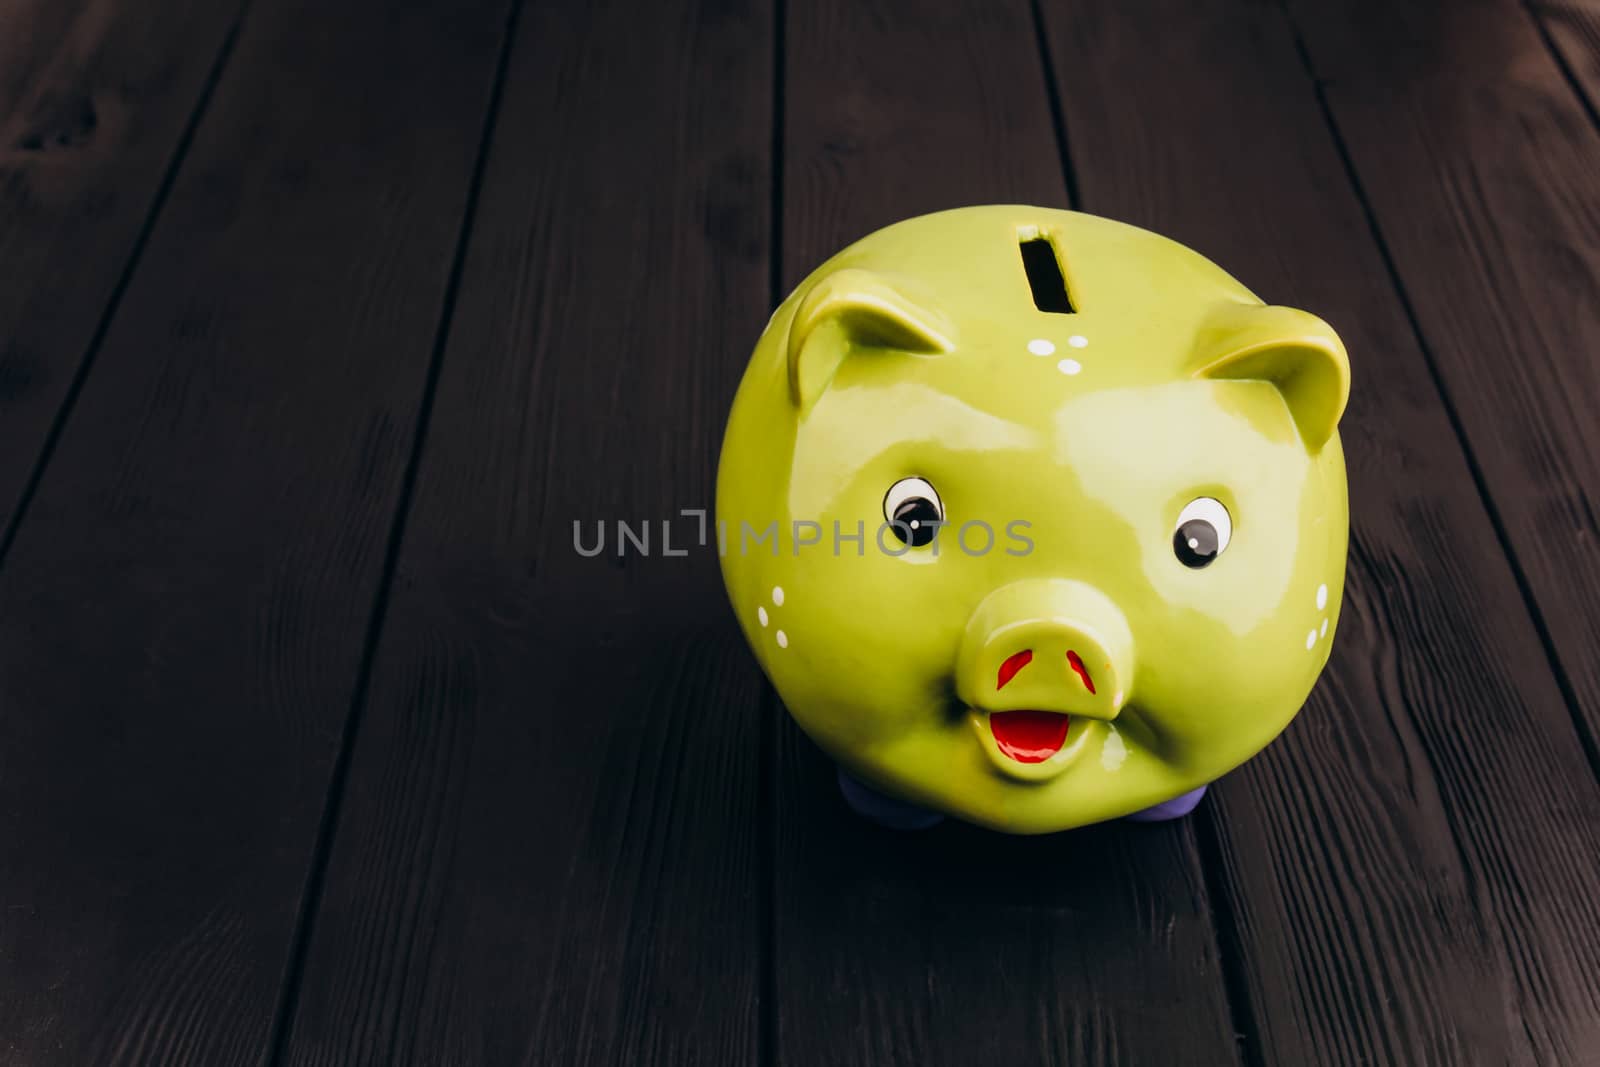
[1046, 645]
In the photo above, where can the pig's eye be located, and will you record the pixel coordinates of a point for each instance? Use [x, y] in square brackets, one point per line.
[913, 511]
[1204, 530]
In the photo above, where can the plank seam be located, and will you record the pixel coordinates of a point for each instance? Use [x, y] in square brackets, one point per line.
[1585, 101]
[1589, 743]
[158, 203]
[311, 895]
[1242, 1011]
[1052, 92]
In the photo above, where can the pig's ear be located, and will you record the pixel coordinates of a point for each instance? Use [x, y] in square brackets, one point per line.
[851, 310]
[1294, 350]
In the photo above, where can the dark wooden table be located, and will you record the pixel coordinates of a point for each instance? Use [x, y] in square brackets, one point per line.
[320, 323]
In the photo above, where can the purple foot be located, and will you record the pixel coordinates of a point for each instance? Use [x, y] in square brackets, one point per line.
[1176, 808]
[885, 811]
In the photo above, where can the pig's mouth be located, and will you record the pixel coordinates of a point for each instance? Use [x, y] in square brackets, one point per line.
[1030, 744]
[1029, 736]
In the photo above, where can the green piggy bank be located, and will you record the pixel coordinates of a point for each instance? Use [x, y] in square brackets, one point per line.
[1035, 519]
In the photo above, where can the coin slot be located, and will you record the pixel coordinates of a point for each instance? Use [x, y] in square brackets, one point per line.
[1045, 279]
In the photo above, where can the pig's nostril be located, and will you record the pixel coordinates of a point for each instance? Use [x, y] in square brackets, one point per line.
[1014, 663]
[1076, 663]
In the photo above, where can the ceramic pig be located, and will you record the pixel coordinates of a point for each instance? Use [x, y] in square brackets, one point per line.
[1035, 519]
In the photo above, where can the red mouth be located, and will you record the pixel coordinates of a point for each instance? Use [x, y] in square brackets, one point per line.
[1029, 736]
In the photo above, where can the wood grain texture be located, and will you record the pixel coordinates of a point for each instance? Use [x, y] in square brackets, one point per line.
[1571, 29]
[959, 946]
[575, 825]
[1481, 155]
[550, 848]
[183, 611]
[1478, 153]
[1410, 872]
[95, 97]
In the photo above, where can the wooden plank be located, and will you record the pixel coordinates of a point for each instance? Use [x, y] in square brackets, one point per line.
[1411, 870]
[550, 848]
[95, 100]
[1483, 155]
[959, 946]
[35, 33]
[184, 608]
[1571, 29]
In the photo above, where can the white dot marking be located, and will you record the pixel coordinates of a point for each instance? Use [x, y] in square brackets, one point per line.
[783, 639]
[777, 595]
[1078, 340]
[1069, 366]
[1040, 347]
[1311, 639]
[1322, 597]
[761, 613]
[1324, 627]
